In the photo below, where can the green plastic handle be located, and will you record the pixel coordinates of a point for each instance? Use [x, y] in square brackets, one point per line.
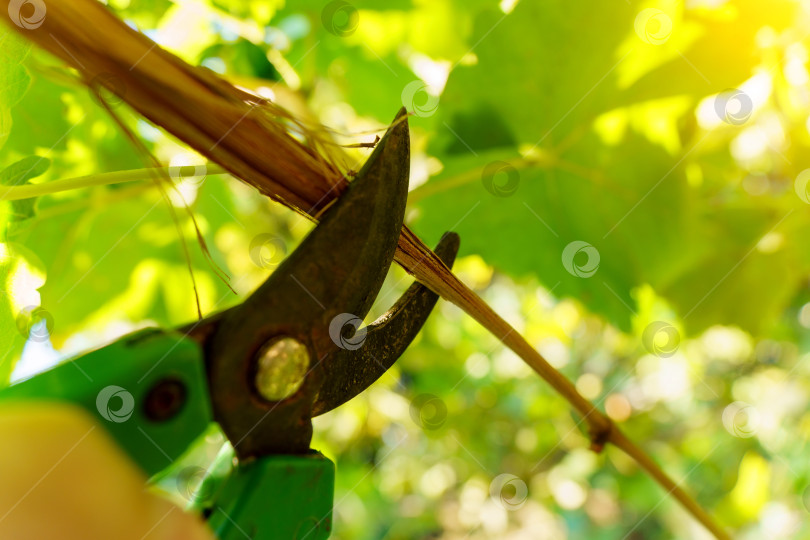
[147, 389]
[269, 498]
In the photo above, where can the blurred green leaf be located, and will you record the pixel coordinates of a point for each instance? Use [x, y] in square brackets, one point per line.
[242, 58]
[14, 78]
[19, 174]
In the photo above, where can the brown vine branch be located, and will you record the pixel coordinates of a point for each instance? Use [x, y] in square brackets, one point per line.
[251, 138]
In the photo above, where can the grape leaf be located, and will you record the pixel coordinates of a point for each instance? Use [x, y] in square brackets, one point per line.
[14, 78]
[19, 174]
[626, 201]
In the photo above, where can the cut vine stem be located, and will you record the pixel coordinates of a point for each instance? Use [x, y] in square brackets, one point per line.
[250, 138]
[417, 258]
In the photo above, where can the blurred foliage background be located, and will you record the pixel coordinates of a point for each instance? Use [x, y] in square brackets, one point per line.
[627, 180]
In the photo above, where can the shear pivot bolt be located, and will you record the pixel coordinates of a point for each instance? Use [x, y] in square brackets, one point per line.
[282, 367]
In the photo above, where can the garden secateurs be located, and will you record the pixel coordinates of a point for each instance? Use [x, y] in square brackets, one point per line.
[294, 349]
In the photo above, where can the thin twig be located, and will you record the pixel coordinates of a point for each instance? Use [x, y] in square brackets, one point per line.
[15, 193]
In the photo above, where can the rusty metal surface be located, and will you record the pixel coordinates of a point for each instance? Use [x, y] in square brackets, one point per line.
[339, 268]
[349, 372]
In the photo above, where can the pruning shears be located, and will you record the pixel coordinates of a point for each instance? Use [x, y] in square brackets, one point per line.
[294, 349]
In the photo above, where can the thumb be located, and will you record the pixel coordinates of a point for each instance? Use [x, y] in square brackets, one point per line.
[64, 477]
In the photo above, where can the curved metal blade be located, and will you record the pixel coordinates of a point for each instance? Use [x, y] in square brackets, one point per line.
[339, 268]
[349, 372]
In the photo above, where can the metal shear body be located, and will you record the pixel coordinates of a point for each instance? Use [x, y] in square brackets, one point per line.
[261, 370]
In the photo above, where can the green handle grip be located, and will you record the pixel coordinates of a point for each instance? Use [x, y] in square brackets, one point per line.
[147, 389]
[150, 391]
